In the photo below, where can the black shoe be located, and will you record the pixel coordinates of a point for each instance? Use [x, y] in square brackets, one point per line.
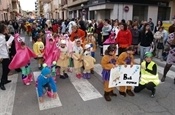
[2, 87]
[65, 75]
[8, 81]
[130, 93]
[163, 79]
[40, 68]
[113, 94]
[62, 77]
[122, 93]
[174, 80]
[92, 71]
[153, 93]
[106, 96]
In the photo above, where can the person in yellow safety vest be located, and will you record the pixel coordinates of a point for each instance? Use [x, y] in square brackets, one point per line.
[149, 75]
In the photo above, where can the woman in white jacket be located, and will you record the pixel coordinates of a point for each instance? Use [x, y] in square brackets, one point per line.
[4, 57]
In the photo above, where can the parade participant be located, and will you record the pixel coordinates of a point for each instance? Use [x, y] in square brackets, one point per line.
[28, 28]
[91, 40]
[63, 60]
[46, 84]
[70, 45]
[149, 75]
[38, 48]
[126, 58]
[4, 57]
[77, 57]
[170, 46]
[23, 63]
[76, 32]
[109, 61]
[88, 62]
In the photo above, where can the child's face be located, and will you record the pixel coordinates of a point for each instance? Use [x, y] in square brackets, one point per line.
[112, 53]
[39, 39]
[130, 52]
[89, 49]
[78, 43]
[148, 59]
[63, 45]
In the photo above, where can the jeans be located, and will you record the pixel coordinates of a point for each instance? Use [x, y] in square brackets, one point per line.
[143, 50]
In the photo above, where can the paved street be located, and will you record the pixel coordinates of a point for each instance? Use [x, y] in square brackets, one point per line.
[85, 97]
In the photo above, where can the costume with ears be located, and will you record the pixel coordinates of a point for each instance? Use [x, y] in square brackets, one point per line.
[22, 60]
[51, 52]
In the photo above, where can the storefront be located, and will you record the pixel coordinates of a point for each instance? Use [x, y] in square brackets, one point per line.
[130, 9]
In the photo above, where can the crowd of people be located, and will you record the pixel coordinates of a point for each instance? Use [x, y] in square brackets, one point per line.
[61, 46]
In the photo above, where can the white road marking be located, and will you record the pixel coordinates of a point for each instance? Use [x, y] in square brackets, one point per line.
[160, 69]
[48, 102]
[85, 89]
[7, 97]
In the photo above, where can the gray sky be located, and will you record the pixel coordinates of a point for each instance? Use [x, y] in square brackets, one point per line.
[28, 4]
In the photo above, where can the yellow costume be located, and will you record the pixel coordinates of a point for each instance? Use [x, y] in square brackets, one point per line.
[38, 48]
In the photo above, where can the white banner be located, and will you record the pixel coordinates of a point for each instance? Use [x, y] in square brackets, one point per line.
[105, 48]
[124, 76]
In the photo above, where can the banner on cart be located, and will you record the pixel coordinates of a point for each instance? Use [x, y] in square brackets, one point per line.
[105, 47]
[124, 76]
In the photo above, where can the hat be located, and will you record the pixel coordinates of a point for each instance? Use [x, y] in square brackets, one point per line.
[87, 46]
[148, 54]
[63, 42]
[45, 71]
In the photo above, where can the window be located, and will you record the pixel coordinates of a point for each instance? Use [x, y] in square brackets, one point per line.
[140, 12]
[164, 13]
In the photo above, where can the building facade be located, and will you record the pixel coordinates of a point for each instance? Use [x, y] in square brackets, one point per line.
[119, 9]
[9, 9]
[5, 7]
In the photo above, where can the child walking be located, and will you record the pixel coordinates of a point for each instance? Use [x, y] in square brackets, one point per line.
[126, 58]
[109, 61]
[88, 62]
[77, 57]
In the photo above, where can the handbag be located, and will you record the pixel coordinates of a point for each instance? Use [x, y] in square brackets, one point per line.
[160, 46]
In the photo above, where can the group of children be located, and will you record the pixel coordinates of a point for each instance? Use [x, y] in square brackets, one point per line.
[149, 78]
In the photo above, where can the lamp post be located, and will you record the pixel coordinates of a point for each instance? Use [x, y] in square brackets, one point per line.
[83, 12]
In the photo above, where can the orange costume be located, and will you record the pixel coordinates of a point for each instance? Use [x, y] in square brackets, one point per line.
[108, 62]
[79, 33]
[124, 59]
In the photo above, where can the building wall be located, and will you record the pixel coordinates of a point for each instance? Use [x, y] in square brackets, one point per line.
[47, 10]
[5, 4]
[119, 13]
[153, 13]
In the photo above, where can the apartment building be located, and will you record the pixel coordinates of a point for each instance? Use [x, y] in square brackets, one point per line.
[9, 9]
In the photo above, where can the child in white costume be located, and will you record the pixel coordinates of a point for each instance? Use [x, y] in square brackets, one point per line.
[63, 61]
[88, 62]
[77, 57]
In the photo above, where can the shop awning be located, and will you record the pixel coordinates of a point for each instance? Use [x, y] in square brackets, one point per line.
[101, 7]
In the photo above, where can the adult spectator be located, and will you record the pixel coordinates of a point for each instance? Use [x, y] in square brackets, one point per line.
[151, 24]
[15, 26]
[4, 57]
[159, 24]
[105, 32]
[124, 38]
[145, 40]
[77, 33]
[171, 55]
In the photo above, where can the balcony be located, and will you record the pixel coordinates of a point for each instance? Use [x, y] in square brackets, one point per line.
[75, 2]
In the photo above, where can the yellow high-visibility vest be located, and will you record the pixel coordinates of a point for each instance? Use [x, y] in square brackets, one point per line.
[147, 77]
